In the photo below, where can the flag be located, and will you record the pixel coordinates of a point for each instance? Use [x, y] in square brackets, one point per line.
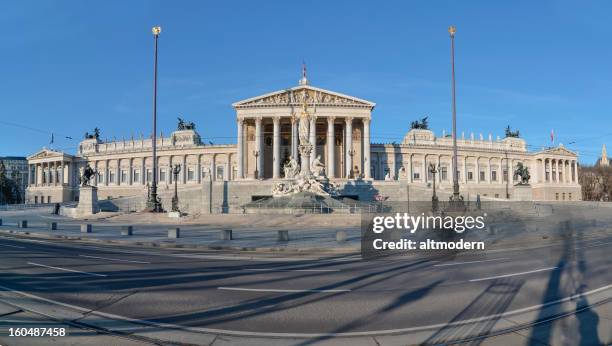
[552, 136]
[52, 138]
[303, 69]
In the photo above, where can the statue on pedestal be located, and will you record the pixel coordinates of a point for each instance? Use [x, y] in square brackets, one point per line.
[87, 174]
[318, 168]
[522, 172]
[291, 168]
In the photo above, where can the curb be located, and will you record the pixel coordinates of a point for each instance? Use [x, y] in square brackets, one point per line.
[172, 245]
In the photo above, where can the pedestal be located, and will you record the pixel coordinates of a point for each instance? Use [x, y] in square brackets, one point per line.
[88, 201]
[522, 192]
[305, 151]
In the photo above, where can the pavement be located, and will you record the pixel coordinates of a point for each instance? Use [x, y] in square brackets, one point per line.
[559, 294]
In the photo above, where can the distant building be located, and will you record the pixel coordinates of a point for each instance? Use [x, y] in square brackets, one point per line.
[603, 160]
[17, 170]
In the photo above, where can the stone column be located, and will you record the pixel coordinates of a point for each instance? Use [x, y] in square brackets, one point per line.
[477, 170]
[240, 147]
[294, 137]
[228, 167]
[366, 149]
[511, 172]
[143, 171]
[131, 172]
[575, 171]
[259, 147]
[557, 171]
[424, 170]
[106, 172]
[438, 168]
[410, 169]
[313, 137]
[276, 148]
[331, 148]
[543, 171]
[184, 170]
[118, 174]
[349, 145]
[213, 175]
[199, 167]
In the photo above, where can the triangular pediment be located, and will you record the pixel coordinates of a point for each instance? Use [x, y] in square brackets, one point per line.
[295, 97]
[45, 153]
[560, 150]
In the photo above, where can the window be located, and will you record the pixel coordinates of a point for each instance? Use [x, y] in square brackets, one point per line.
[136, 176]
[190, 175]
[219, 173]
[563, 196]
[557, 196]
[35, 199]
[443, 173]
[505, 176]
[100, 178]
[494, 176]
[48, 199]
[149, 175]
[111, 177]
[416, 176]
[497, 195]
[569, 195]
[470, 175]
[162, 174]
[124, 176]
[482, 175]
[429, 175]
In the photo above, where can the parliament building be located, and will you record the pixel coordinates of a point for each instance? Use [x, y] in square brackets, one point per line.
[219, 178]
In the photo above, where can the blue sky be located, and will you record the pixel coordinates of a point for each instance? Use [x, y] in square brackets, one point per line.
[69, 66]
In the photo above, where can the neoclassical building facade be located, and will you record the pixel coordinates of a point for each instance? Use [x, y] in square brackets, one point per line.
[266, 138]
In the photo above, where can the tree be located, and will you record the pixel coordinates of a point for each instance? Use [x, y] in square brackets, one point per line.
[9, 189]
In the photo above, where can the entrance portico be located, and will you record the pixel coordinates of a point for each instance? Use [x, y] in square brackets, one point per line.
[268, 132]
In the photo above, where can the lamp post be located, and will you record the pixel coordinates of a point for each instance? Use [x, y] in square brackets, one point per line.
[434, 198]
[456, 197]
[175, 172]
[256, 154]
[154, 203]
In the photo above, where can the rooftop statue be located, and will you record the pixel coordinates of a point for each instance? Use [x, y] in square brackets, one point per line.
[94, 135]
[183, 125]
[422, 125]
[510, 133]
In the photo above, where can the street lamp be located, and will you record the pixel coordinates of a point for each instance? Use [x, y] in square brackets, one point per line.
[175, 172]
[351, 152]
[256, 154]
[455, 197]
[154, 203]
[434, 199]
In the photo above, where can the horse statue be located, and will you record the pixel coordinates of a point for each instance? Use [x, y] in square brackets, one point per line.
[422, 125]
[522, 172]
[87, 174]
[510, 133]
[184, 125]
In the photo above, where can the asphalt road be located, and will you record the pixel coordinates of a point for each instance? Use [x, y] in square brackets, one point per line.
[271, 294]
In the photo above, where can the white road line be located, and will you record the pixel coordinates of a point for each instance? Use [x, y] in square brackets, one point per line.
[292, 270]
[115, 259]
[279, 290]
[468, 262]
[514, 274]
[15, 246]
[66, 269]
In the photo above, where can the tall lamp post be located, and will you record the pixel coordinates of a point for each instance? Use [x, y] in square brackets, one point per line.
[434, 198]
[175, 172]
[154, 203]
[456, 197]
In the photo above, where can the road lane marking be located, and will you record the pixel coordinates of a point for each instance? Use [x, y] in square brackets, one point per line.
[292, 270]
[66, 269]
[459, 323]
[514, 274]
[279, 290]
[15, 246]
[115, 259]
[469, 262]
